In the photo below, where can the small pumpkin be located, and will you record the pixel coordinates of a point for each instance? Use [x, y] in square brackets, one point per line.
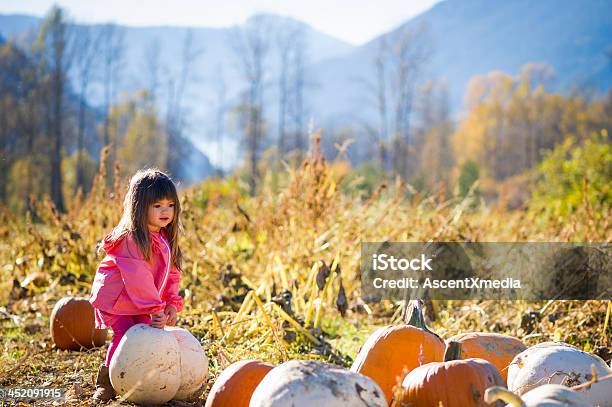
[452, 383]
[495, 348]
[72, 325]
[392, 350]
[559, 363]
[236, 383]
[311, 383]
[548, 395]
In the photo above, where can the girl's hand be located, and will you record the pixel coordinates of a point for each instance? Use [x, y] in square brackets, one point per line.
[170, 313]
[158, 320]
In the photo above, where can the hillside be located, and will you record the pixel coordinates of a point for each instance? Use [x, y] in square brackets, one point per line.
[473, 37]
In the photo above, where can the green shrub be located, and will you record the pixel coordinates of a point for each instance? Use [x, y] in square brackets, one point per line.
[574, 175]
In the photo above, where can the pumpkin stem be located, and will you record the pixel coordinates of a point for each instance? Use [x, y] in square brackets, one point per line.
[453, 351]
[415, 317]
[492, 394]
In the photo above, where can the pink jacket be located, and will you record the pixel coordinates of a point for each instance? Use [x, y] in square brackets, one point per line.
[126, 284]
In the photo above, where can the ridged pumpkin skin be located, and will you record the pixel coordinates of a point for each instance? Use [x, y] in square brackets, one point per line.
[560, 363]
[236, 384]
[193, 361]
[72, 325]
[146, 367]
[310, 383]
[497, 349]
[392, 349]
[548, 395]
[457, 383]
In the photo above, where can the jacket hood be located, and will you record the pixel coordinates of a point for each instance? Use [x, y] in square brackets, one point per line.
[156, 242]
[107, 245]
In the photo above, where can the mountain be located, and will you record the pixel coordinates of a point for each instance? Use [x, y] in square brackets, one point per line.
[473, 37]
[479, 36]
[467, 38]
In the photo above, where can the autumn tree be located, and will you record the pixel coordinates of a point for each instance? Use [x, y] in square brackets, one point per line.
[513, 120]
[141, 138]
[12, 65]
[482, 132]
[433, 132]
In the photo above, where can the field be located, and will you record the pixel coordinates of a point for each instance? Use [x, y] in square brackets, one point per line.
[252, 278]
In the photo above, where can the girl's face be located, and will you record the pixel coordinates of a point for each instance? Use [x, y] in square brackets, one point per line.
[160, 214]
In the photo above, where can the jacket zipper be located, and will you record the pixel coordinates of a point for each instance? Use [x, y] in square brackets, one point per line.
[167, 266]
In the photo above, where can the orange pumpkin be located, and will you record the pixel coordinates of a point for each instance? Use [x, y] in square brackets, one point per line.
[236, 384]
[393, 350]
[73, 325]
[497, 349]
[452, 383]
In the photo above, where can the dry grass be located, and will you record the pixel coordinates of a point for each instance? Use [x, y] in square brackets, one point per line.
[250, 276]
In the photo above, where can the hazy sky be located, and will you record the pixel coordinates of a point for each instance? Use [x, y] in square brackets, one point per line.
[354, 21]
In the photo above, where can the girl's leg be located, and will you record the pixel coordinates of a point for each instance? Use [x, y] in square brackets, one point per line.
[121, 325]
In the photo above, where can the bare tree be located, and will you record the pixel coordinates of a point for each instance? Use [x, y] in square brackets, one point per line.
[87, 48]
[175, 120]
[289, 44]
[56, 38]
[297, 88]
[112, 63]
[380, 65]
[284, 47]
[408, 55]
[221, 111]
[152, 67]
[397, 65]
[251, 44]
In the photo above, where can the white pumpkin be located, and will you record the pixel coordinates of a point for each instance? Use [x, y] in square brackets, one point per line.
[154, 366]
[308, 383]
[194, 364]
[548, 395]
[145, 368]
[559, 363]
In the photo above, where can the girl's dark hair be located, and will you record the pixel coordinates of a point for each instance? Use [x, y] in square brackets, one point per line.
[147, 187]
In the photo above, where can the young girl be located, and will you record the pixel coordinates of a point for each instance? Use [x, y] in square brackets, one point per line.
[138, 280]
